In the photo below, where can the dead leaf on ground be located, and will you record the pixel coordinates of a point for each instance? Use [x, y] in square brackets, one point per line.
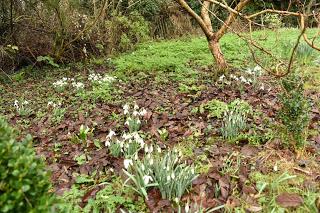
[287, 200]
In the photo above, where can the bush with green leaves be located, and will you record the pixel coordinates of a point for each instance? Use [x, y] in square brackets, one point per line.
[295, 108]
[126, 31]
[24, 182]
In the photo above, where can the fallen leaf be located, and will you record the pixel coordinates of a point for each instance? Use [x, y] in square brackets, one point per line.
[287, 200]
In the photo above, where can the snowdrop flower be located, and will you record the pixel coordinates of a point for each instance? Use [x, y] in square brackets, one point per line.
[136, 156]
[192, 171]
[146, 149]
[16, 104]
[126, 136]
[151, 148]
[25, 102]
[186, 208]
[243, 79]
[143, 112]
[142, 167]
[173, 176]
[127, 163]
[138, 121]
[111, 134]
[121, 143]
[221, 77]
[50, 103]
[78, 85]
[135, 113]
[257, 68]
[126, 109]
[168, 178]
[107, 143]
[147, 179]
[159, 149]
[135, 107]
[176, 200]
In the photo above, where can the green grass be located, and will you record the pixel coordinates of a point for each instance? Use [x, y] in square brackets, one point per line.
[175, 55]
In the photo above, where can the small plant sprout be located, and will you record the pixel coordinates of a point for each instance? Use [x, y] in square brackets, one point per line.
[164, 134]
[84, 132]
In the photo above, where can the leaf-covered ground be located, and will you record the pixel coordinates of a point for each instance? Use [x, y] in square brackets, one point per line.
[173, 81]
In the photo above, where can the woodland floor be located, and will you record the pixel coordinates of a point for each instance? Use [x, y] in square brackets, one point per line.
[170, 96]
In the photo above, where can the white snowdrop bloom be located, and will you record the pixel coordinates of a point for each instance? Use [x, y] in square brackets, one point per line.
[257, 68]
[148, 156]
[65, 79]
[107, 143]
[168, 169]
[127, 163]
[138, 121]
[159, 149]
[151, 148]
[147, 179]
[176, 200]
[121, 144]
[136, 156]
[173, 176]
[16, 104]
[142, 167]
[180, 154]
[50, 103]
[243, 79]
[221, 77]
[111, 134]
[25, 102]
[135, 107]
[126, 136]
[187, 208]
[126, 109]
[168, 178]
[192, 171]
[143, 112]
[146, 149]
[78, 85]
[140, 141]
[135, 113]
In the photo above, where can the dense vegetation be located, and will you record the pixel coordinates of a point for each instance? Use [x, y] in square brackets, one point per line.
[118, 106]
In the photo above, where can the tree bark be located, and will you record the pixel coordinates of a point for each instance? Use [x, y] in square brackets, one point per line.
[217, 54]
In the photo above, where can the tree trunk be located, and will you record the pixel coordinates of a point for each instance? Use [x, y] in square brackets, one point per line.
[215, 49]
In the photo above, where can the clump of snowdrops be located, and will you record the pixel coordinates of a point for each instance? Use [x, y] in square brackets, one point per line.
[166, 171]
[129, 143]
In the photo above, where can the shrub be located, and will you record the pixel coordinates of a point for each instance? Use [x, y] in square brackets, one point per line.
[294, 112]
[24, 183]
[126, 31]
